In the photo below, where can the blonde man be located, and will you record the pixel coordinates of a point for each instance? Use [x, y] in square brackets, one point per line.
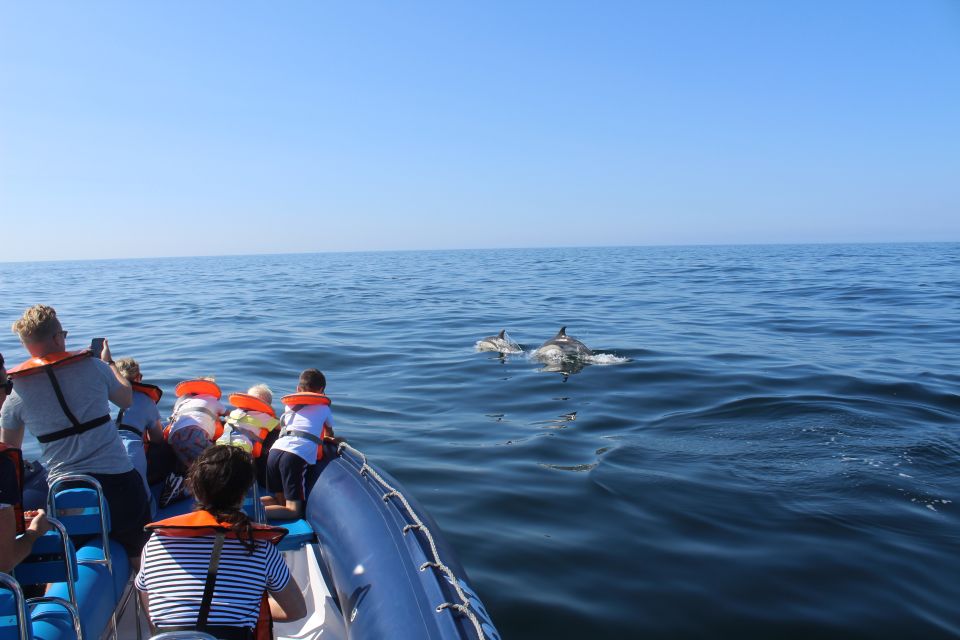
[63, 399]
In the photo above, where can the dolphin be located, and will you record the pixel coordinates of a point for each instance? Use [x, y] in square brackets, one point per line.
[500, 342]
[563, 346]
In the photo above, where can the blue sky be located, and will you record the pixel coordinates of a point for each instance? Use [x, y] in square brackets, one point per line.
[198, 128]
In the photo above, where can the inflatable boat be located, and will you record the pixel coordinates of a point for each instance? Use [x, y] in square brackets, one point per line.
[370, 561]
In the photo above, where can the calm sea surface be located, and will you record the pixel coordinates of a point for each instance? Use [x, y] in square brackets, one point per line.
[778, 455]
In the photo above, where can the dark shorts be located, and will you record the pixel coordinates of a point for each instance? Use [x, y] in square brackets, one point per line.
[129, 508]
[287, 472]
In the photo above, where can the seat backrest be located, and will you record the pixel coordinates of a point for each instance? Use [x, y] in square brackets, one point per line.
[48, 560]
[79, 511]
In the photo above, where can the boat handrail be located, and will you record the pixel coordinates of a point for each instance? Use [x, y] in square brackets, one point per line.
[463, 606]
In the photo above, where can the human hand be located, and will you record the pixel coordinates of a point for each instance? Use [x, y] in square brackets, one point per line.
[105, 352]
[37, 521]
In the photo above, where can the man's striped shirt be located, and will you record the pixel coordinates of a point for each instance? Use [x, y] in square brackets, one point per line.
[174, 570]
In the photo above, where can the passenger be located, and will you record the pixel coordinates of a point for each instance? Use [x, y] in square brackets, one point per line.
[177, 559]
[306, 424]
[68, 411]
[14, 549]
[249, 425]
[195, 422]
[141, 419]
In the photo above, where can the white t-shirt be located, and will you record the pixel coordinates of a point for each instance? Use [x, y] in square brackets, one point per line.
[200, 410]
[311, 419]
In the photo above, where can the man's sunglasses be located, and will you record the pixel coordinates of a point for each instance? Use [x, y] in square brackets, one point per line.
[7, 386]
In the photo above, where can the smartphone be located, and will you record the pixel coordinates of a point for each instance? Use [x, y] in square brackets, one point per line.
[96, 346]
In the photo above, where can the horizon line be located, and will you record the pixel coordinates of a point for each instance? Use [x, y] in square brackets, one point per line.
[464, 249]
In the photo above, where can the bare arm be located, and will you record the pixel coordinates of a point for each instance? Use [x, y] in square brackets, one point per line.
[290, 510]
[123, 395]
[287, 604]
[156, 432]
[12, 437]
[13, 549]
[145, 603]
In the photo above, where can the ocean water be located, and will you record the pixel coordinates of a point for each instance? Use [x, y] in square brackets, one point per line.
[769, 446]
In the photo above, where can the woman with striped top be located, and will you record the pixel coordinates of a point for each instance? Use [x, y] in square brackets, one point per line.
[182, 588]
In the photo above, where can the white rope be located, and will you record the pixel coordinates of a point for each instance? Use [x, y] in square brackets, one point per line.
[464, 605]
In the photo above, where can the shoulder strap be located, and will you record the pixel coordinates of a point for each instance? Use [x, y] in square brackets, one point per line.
[302, 434]
[211, 582]
[78, 427]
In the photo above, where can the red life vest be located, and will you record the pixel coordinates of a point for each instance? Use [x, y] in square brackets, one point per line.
[203, 523]
[47, 364]
[297, 401]
[15, 456]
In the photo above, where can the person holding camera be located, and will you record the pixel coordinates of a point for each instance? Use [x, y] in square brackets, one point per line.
[62, 397]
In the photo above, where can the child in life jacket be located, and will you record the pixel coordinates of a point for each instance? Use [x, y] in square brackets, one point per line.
[251, 422]
[193, 427]
[195, 422]
[306, 424]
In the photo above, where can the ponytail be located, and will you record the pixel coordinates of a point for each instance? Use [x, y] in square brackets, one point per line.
[219, 479]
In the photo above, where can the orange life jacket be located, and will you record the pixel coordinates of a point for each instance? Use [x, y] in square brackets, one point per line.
[16, 457]
[197, 387]
[203, 523]
[247, 402]
[297, 401]
[151, 391]
[41, 363]
[47, 364]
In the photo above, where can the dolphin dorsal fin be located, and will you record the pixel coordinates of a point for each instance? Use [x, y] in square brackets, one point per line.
[502, 331]
[562, 332]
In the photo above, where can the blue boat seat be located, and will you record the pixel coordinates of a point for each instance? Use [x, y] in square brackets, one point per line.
[103, 567]
[96, 596]
[52, 560]
[299, 533]
[46, 562]
[79, 511]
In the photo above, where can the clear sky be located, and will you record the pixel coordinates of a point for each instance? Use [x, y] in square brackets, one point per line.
[194, 128]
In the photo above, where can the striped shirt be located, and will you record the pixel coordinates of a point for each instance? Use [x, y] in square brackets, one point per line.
[174, 570]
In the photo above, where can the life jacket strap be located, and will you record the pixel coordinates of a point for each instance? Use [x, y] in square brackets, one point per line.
[302, 434]
[211, 582]
[126, 427]
[82, 427]
[177, 412]
[78, 427]
[245, 429]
